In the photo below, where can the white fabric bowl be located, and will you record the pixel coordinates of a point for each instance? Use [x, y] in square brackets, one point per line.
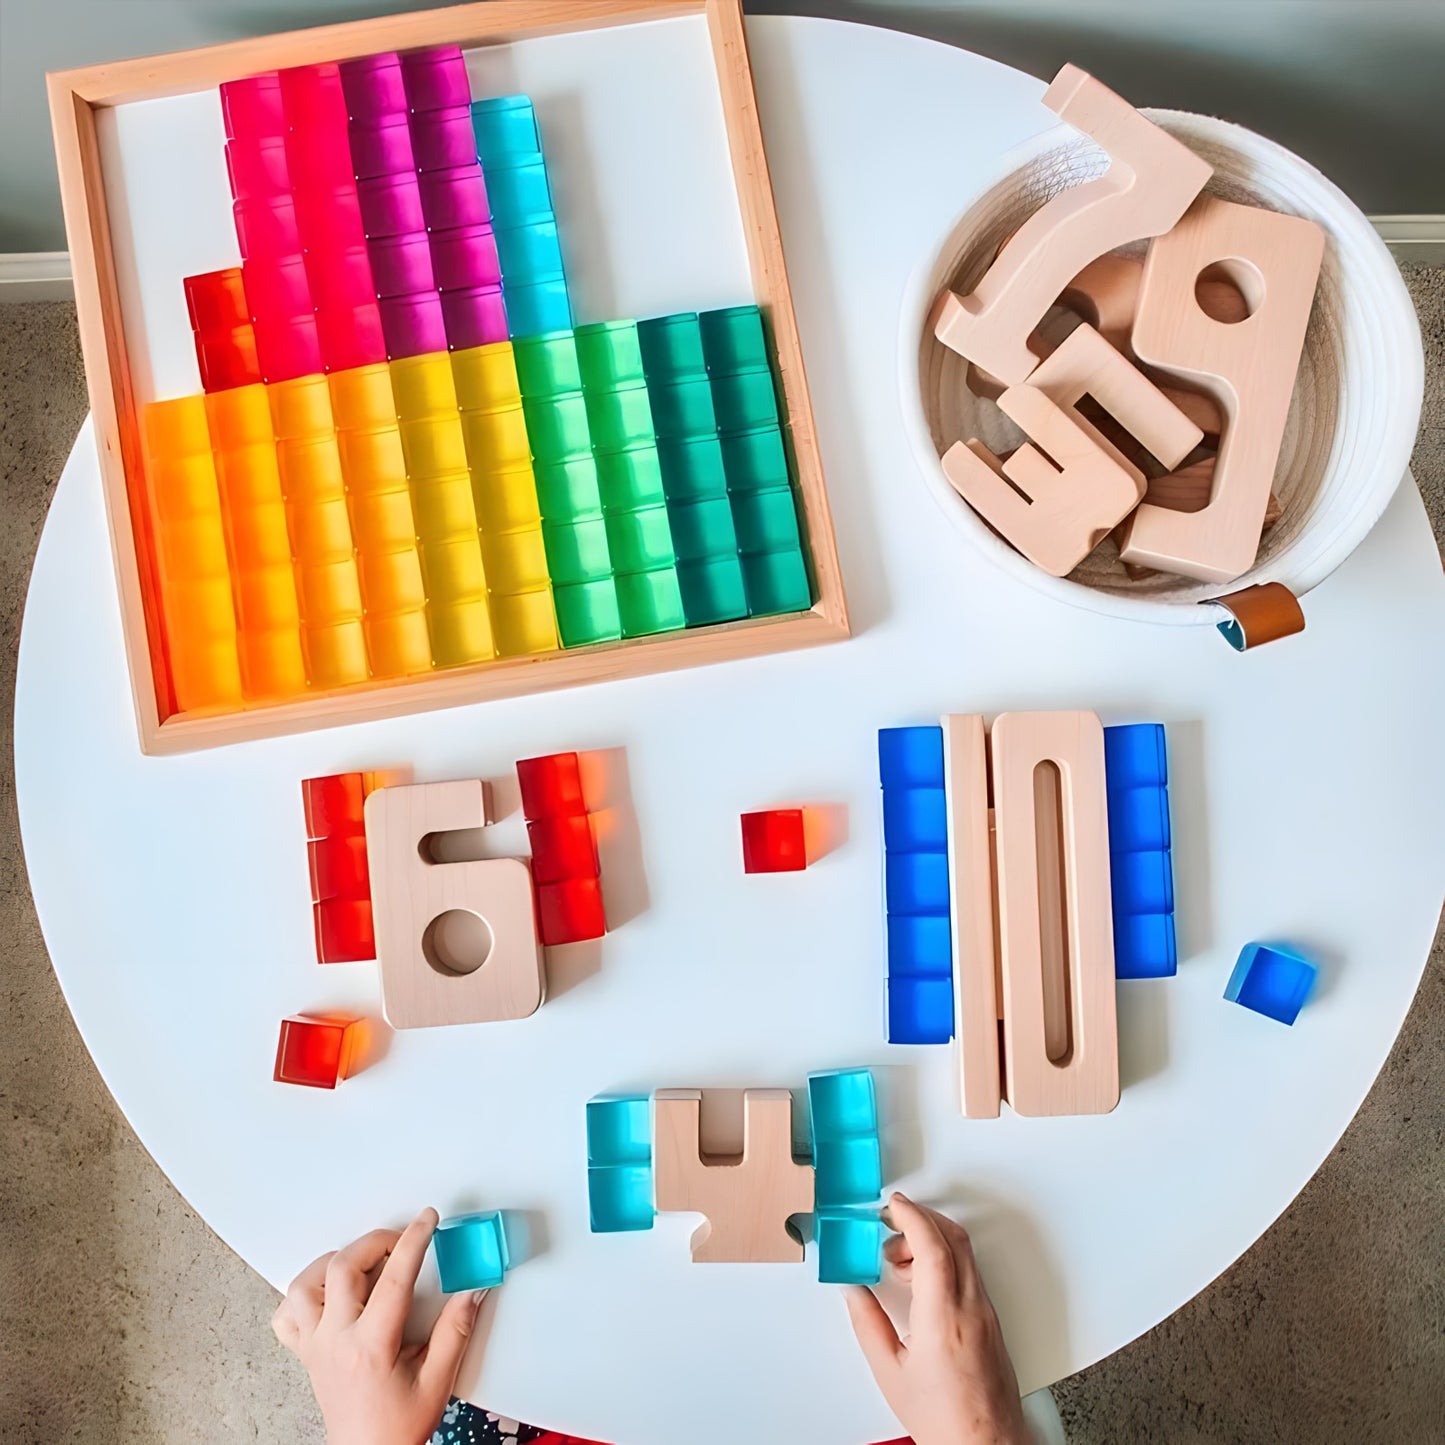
[1356, 401]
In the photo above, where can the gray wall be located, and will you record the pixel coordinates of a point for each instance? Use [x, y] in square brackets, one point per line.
[1356, 86]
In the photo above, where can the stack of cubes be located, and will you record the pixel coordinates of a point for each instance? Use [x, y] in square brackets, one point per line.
[1140, 870]
[263, 577]
[340, 879]
[192, 569]
[565, 868]
[619, 1164]
[916, 885]
[848, 1176]
[494, 429]
[225, 337]
[510, 149]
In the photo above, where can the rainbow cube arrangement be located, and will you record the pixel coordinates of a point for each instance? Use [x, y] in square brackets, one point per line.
[406, 455]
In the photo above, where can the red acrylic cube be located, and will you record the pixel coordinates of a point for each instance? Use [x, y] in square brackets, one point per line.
[570, 911]
[562, 848]
[773, 841]
[340, 881]
[315, 1051]
[551, 786]
[345, 932]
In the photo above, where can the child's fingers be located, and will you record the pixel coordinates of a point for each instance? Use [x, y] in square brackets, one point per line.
[285, 1328]
[876, 1336]
[970, 1282]
[390, 1302]
[307, 1294]
[935, 1276]
[350, 1274]
[442, 1357]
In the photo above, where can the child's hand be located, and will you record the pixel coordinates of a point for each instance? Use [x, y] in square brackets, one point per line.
[343, 1319]
[950, 1381]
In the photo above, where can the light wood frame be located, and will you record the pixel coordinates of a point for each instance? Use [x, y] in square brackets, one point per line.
[75, 98]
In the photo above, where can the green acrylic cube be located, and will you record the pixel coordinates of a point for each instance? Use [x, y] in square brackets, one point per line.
[755, 461]
[587, 612]
[682, 409]
[631, 479]
[557, 427]
[610, 355]
[650, 602]
[569, 490]
[744, 401]
[692, 469]
[703, 529]
[577, 551]
[672, 346]
[766, 521]
[712, 590]
[547, 365]
[776, 582]
[640, 541]
[620, 418]
[733, 340]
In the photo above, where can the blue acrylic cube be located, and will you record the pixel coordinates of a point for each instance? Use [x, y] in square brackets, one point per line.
[471, 1251]
[920, 1010]
[850, 1247]
[915, 820]
[1140, 860]
[1271, 980]
[619, 1164]
[910, 757]
[916, 883]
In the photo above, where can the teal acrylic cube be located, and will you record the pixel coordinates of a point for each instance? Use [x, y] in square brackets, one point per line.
[519, 194]
[850, 1246]
[733, 340]
[842, 1102]
[672, 346]
[535, 309]
[557, 427]
[692, 468]
[650, 602]
[843, 1122]
[777, 582]
[530, 252]
[701, 530]
[755, 461]
[1272, 981]
[712, 590]
[587, 612]
[630, 479]
[767, 521]
[619, 1164]
[682, 409]
[471, 1251]
[744, 401]
[506, 127]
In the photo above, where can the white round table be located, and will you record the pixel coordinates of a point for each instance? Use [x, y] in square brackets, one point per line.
[1308, 788]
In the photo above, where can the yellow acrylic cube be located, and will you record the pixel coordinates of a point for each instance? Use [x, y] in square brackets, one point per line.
[423, 385]
[399, 643]
[460, 633]
[524, 623]
[240, 417]
[506, 501]
[177, 428]
[301, 407]
[433, 446]
[515, 561]
[443, 508]
[362, 399]
[497, 440]
[486, 377]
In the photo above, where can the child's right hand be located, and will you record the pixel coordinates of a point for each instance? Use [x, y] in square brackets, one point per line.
[950, 1381]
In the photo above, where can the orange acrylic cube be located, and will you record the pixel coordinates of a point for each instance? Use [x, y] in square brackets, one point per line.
[773, 841]
[315, 1050]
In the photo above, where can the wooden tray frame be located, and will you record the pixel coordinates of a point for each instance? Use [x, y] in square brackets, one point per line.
[75, 98]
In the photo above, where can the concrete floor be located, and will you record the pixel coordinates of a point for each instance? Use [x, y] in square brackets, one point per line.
[123, 1319]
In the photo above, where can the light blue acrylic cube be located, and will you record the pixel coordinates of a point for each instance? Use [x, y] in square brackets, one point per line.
[1271, 980]
[1140, 860]
[619, 1164]
[843, 1119]
[850, 1246]
[471, 1251]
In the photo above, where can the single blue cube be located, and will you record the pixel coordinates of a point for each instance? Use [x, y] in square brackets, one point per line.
[1141, 883]
[619, 1198]
[847, 1171]
[1144, 946]
[910, 757]
[920, 1010]
[920, 944]
[619, 1130]
[1138, 820]
[1272, 981]
[915, 820]
[1135, 756]
[842, 1102]
[471, 1251]
[850, 1247]
[916, 882]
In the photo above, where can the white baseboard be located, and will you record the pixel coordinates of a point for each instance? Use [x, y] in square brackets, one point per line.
[35, 276]
[45, 275]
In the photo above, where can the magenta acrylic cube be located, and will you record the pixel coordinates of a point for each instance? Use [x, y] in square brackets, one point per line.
[312, 98]
[474, 317]
[382, 147]
[465, 256]
[441, 139]
[252, 107]
[256, 167]
[390, 205]
[454, 197]
[372, 86]
[401, 265]
[413, 325]
[435, 78]
[266, 228]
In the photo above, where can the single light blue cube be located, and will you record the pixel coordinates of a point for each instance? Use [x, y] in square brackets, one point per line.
[619, 1130]
[842, 1102]
[850, 1247]
[471, 1251]
[619, 1198]
[847, 1171]
[506, 126]
[1272, 981]
[910, 757]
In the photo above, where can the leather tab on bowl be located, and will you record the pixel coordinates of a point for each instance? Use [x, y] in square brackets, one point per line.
[1259, 614]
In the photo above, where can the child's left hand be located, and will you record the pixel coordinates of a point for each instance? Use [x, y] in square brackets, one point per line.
[343, 1318]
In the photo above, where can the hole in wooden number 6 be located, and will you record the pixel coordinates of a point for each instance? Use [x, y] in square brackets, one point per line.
[457, 942]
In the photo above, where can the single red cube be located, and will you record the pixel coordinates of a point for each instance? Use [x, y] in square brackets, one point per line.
[338, 867]
[773, 841]
[314, 1051]
[216, 301]
[345, 932]
[551, 786]
[571, 911]
[562, 848]
[334, 804]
